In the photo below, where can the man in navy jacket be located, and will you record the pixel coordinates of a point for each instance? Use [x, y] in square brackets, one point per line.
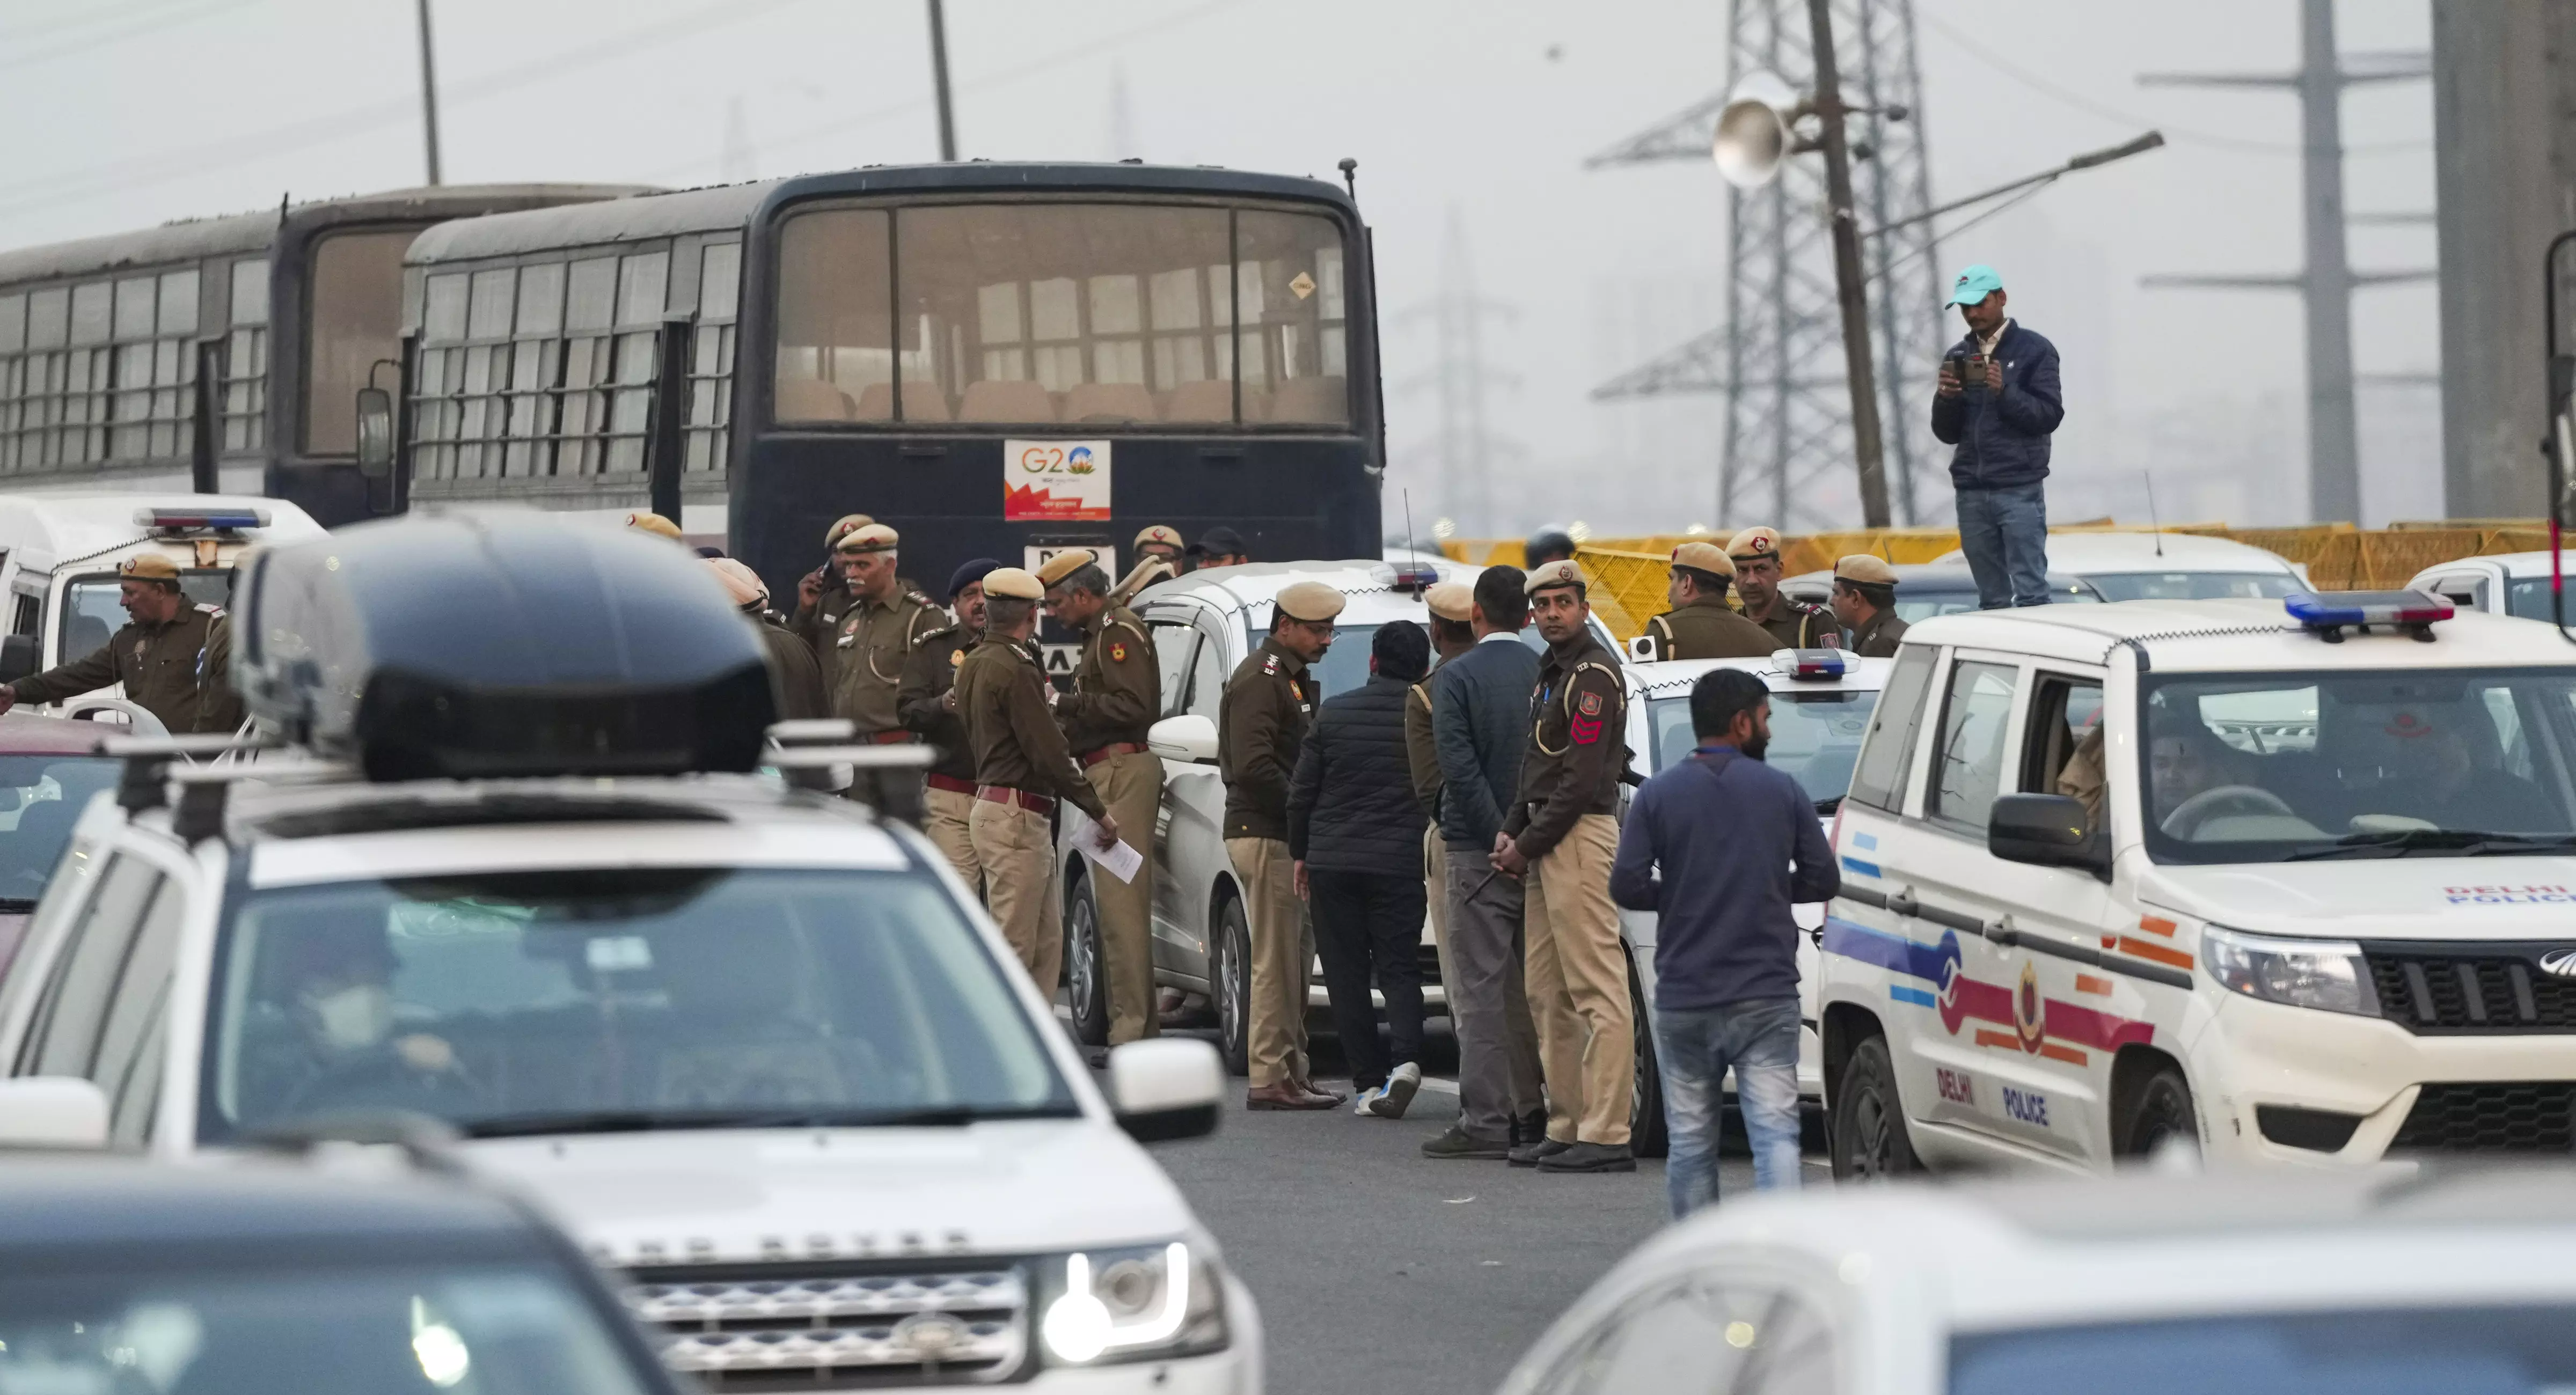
[1997, 402]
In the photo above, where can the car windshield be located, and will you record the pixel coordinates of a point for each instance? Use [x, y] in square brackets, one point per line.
[2279, 766]
[41, 797]
[2421, 1351]
[1346, 665]
[538, 1002]
[2194, 586]
[254, 1330]
[2528, 599]
[1814, 736]
[91, 609]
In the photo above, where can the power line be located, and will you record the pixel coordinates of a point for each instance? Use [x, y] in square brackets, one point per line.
[151, 21]
[88, 15]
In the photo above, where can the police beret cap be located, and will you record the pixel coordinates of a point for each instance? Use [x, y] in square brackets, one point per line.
[868, 537]
[1561, 572]
[1065, 564]
[1157, 533]
[149, 566]
[1865, 569]
[841, 527]
[1012, 584]
[740, 582]
[1754, 542]
[654, 523]
[1704, 557]
[971, 574]
[1311, 600]
[1450, 600]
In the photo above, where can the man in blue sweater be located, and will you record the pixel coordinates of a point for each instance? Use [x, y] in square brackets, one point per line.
[1998, 402]
[1719, 847]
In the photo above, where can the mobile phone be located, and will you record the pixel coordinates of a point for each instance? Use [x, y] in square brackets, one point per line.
[1973, 370]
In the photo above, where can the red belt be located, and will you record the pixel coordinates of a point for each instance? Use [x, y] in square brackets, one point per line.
[888, 738]
[950, 783]
[1004, 794]
[1116, 748]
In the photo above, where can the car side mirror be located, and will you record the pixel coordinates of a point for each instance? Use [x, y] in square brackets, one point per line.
[1166, 1087]
[17, 657]
[2045, 830]
[1189, 737]
[57, 1111]
[375, 433]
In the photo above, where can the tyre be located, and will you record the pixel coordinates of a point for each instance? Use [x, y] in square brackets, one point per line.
[1868, 1134]
[2153, 1112]
[1086, 987]
[1234, 985]
[1647, 1136]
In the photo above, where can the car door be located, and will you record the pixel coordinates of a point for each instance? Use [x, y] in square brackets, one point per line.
[1194, 800]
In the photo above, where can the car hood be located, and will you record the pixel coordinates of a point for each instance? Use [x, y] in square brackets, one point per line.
[1008, 1187]
[2397, 898]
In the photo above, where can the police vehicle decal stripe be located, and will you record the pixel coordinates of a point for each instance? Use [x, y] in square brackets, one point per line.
[1959, 999]
[1866, 869]
[1916, 996]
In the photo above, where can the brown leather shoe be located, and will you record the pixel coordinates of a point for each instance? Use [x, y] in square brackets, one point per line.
[1286, 1095]
[1310, 1087]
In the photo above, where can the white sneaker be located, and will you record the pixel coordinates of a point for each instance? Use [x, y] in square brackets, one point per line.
[1360, 1105]
[1390, 1100]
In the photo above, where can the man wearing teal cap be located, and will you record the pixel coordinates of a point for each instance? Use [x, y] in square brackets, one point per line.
[1997, 402]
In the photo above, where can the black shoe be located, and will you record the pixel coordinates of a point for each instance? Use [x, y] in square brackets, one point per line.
[1591, 1157]
[1530, 1127]
[1531, 1154]
[1460, 1144]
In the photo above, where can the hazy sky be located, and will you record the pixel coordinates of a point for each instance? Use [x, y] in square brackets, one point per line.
[1475, 116]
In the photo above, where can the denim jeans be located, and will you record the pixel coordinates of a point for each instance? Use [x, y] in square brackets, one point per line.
[1760, 1040]
[2005, 534]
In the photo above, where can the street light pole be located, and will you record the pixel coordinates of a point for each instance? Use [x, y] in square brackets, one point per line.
[939, 82]
[428, 93]
[1851, 285]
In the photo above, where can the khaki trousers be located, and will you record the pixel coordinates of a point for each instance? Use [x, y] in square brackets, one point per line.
[1132, 786]
[1578, 987]
[1275, 1038]
[1435, 885]
[944, 818]
[1018, 856]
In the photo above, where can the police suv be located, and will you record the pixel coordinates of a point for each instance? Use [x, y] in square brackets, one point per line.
[521, 871]
[2287, 879]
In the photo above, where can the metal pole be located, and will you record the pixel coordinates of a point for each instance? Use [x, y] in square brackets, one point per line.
[939, 81]
[2334, 438]
[1850, 288]
[429, 93]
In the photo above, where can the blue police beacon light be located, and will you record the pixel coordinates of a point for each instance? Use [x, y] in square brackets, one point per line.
[2328, 614]
[1812, 665]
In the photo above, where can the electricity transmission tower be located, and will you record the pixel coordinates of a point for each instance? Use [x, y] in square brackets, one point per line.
[1786, 451]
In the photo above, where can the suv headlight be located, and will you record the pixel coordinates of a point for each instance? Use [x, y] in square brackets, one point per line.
[2329, 975]
[1148, 1303]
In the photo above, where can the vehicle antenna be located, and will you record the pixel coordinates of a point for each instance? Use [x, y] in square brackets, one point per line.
[1411, 542]
[2152, 520]
[1351, 177]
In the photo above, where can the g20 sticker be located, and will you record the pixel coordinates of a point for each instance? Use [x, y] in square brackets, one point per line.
[1045, 481]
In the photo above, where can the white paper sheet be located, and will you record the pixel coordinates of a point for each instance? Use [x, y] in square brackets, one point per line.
[1120, 861]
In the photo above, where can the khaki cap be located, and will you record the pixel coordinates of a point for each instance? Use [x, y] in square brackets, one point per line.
[653, 523]
[149, 566]
[1865, 569]
[1168, 537]
[1704, 557]
[1065, 564]
[868, 537]
[1311, 601]
[841, 527]
[1754, 542]
[1562, 572]
[1450, 600]
[740, 582]
[1013, 584]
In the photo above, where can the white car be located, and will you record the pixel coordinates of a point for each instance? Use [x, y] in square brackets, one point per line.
[2509, 583]
[2320, 918]
[2165, 566]
[2148, 1285]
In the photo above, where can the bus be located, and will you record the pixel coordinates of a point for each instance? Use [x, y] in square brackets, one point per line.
[104, 343]
[997, 359]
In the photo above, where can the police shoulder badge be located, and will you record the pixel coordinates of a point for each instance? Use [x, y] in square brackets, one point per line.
[1270, 663]
[1590, 705]
[956, 657]
[1117, 651]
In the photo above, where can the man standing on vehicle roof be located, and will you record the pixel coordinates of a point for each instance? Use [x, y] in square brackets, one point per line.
[884, 624]
[1998, 401]
[792, 666]
[1021, 769]
[1218, 547]
[927, 700]
[1116, 696]
[1791, 624]
[1865, 601]
[175, 659]
[823, 596]
[1562, 834]
[1261, 723]
[1701, 625]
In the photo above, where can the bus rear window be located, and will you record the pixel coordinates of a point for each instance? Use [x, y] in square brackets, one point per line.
[355, 312]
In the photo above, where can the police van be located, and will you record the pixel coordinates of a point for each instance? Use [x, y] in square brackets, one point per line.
[2288, 879]
[524, 870]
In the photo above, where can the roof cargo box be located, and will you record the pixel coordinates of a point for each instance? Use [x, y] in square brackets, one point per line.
[508, 645]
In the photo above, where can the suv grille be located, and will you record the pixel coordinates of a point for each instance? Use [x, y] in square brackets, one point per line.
[829, 1328]
[2452, 990]
[2520, 1116]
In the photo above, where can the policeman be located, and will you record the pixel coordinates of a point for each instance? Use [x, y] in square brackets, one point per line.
[1451, 604]
[792, 666]
[1021, 769]
[1157, 541]
[1218, 547]
[642, 521]
[1145, 573]
[1116, 696]
[1261, 723]
[1865, 601]
[822, 597]
[1701, 625]
[1562, 834]
[927, 701]
[175, 659]
[884, 624]
[1792, 624]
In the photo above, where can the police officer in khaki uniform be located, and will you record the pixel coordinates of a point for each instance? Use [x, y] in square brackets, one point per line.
[884, 624]
[1865, 601]
[1261, 724]
[927, 701]
[1562, 834]
[822, 596]
[1453, 632]
[1792, 624]
[1021, 769]
[1162, 544]
[1701, 625]
[792, 667]
[1116, 697]
[175, 659]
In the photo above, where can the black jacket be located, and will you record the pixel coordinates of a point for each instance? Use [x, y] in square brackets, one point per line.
[2002, 437]
[1350, 805]
[1480, 710]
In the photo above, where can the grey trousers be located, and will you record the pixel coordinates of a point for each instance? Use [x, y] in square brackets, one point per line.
[1498, 1068]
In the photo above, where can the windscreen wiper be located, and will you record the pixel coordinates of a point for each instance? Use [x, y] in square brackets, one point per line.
[2460, 841]
[650, 1120]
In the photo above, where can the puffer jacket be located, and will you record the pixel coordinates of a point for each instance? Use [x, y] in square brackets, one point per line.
[2002, 437]
[1351, 806]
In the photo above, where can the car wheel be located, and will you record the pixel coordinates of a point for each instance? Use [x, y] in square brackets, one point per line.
[1647, 1136]
[1234, 985]
[1868, 1135]
[2157, 1111]
[1086, 990]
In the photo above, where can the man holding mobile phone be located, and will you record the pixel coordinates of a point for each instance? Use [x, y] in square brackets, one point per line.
[1998, 402]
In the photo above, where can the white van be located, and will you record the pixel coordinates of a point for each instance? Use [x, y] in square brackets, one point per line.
[2321, 914]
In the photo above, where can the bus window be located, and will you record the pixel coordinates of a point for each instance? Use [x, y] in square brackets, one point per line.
[834, 352]
[355, 319]
[1296, 364]
[246, 358]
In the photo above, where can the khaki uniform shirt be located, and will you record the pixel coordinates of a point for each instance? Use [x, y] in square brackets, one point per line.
[929, 676]
[1578, 745]
[1707, 629]
[1798, 625]
[1116, 691]
[872, 642]
[795, 671]
[1877, 639]
[819, 624]
[180, 672]
[1420, 754]
[1001, 698]
[1261, 725]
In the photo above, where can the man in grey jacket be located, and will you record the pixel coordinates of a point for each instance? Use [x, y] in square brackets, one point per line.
[1480, 726]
